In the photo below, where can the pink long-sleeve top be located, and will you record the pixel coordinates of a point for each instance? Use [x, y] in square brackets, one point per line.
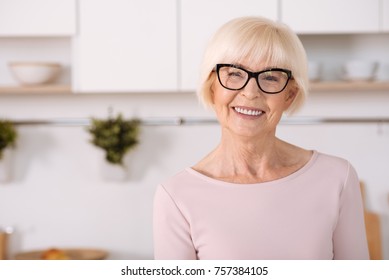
[314, 213]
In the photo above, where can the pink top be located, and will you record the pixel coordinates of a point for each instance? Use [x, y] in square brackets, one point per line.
[314, 213]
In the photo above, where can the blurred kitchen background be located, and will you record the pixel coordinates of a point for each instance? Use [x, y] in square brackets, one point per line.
[141, 58]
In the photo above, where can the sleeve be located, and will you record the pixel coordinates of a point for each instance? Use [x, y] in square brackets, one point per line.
[172, 239]
[349, 238]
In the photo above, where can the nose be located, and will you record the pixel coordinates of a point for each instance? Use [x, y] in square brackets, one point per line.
[251, 90]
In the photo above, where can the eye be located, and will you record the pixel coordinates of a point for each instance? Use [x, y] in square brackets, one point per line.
[273, 76]
[235, 73]
[270, 77]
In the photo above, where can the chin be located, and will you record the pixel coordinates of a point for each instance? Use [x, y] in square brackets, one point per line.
[247, 132]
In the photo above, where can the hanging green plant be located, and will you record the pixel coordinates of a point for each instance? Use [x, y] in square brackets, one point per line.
[8, 136]
[116, 136]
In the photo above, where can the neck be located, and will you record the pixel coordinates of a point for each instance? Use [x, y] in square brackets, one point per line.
[249, 156]
[247, 148]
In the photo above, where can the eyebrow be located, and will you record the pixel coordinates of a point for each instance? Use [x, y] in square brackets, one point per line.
[246, 68]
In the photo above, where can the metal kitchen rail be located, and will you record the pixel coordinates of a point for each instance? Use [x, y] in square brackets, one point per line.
[179, 121]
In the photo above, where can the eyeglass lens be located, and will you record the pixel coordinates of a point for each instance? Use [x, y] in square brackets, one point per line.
[272, 81]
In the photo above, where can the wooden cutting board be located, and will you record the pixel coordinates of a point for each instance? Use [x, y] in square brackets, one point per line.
[373, 230]
[3, 245]
[71, 254]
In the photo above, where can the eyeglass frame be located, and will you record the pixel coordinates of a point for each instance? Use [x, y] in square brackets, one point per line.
[253, 75]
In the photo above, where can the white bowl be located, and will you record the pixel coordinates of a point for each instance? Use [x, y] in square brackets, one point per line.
[35, 73]
[359, 70]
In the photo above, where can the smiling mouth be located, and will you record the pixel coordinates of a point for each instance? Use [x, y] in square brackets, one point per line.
[248, 112]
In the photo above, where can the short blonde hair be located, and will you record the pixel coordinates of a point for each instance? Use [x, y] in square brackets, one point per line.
[255, 39]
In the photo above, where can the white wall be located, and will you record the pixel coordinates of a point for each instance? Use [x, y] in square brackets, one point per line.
[57, 196]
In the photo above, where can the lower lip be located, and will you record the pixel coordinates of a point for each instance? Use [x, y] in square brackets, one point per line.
[249, 117]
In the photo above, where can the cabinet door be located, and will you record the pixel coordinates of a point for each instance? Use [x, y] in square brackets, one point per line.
[385, 15]
[200, 19]
[126, 46]
[331, 16]
[37, 17]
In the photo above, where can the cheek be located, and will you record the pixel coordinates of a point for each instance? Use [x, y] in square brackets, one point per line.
[221, 96]
[278, 105]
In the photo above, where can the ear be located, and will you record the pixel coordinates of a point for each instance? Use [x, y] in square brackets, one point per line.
[212, 92]
[290, 96]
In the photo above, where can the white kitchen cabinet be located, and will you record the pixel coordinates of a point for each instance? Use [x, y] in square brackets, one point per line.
[199, 19]
[331, 16]
[37, 18]
[126, 46]
[385, 15]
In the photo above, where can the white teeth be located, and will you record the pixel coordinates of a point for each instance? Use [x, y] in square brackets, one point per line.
[248, 112]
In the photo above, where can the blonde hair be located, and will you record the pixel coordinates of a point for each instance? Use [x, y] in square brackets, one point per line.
[255, 39]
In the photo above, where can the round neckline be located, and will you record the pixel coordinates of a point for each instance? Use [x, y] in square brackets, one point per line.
[291, 176]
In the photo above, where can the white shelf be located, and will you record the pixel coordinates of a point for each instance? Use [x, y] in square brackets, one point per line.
[43, 89]
[349, 86]
[314, 87]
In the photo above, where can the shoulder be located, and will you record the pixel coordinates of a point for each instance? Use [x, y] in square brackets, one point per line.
[334, 166]
[176, 179]
[327, 159]
[167, 190]
[335, 162]
[182, 182]
[185, 190]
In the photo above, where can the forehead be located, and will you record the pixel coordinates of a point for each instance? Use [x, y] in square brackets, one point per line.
[257, 56]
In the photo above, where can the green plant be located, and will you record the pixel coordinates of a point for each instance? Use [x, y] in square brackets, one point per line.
[116, 136]
[8, 136]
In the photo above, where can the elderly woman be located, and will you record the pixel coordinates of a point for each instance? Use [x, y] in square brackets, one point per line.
[256, 196]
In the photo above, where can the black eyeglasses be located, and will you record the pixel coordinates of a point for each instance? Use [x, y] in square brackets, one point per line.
[273, 80]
